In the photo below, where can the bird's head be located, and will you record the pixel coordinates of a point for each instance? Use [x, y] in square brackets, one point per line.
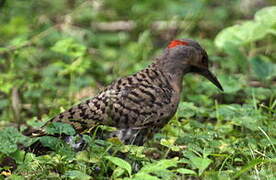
[189, 56]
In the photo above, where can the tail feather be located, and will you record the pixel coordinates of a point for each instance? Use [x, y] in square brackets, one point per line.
[31, 132]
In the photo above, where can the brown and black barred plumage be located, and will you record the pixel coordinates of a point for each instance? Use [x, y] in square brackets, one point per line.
[141, 104]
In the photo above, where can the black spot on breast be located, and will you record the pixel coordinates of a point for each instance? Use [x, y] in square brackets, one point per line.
[105, 101]
[97, 105]
[116, 109]
[130, 80]
[155, 73]
[82, 114]
[119, 82]
[143, 75]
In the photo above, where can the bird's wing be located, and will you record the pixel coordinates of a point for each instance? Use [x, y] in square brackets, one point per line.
[139, 105]
[134, 105]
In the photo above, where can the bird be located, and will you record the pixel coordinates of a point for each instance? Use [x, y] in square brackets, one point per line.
[139, 105]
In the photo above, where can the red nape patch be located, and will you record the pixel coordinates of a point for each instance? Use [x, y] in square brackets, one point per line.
[177, 43]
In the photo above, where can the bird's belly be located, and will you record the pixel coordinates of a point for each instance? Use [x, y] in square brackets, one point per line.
[137, 122]
[138, 135]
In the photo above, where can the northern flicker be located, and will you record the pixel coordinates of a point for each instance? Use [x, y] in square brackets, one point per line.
[141, 104]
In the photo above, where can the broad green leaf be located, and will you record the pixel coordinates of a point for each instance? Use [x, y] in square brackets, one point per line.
[262, 69]
[244, 115]
[238, 35]
[161, 165]
[9, 138]
[231, 84]
[51, 142]
[266, 15]
[187, 109]
[201, 163]
[120, 162]
[74, 174]
[19, 156]
[60, 128]
[248, 31]
[227, 112]
[228, 36]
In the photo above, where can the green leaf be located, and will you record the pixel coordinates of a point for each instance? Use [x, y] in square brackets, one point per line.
[51, 142]
[120, 162]
[69, 47]
[118, 172]
[161, 165]
[231, 84]
[266, 15]
[137, 151]
[19, 156]
[241, 34]
[201, 163]
[60, 128]
[248, 31]
[170, 143]
[186, 171]
[74, 174]
[86, 157]
[244, 115]
[9, 137]
[262, 69]
[160, 168]
[187, 109]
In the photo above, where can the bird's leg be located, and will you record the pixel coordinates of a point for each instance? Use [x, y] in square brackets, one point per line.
[76, 142]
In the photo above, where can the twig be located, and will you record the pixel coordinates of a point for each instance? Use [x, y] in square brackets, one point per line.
[130, 25]
[16, 104]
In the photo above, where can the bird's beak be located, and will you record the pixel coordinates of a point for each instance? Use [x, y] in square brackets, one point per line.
[211, 77]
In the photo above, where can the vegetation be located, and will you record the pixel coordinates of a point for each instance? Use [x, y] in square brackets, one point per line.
[55, 53]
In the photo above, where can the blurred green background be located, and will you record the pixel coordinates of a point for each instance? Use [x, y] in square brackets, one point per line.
[55, 53]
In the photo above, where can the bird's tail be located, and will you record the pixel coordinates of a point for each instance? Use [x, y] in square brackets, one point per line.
[31, 132]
